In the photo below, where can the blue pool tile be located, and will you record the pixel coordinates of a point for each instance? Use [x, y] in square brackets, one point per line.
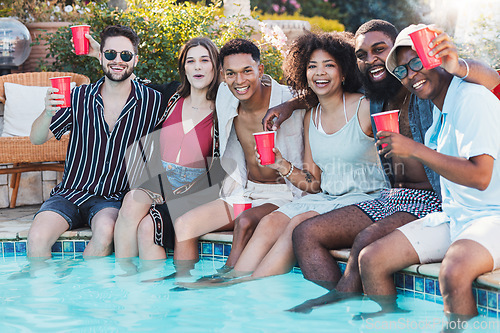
[206, 248]
[1, 248]
[227, 249]
[482, 297]
[342, 266]
[474, 294]
[438, 290]
[419, 284]
[79, 246]
[218, 249]
[492, 313]
[419, 295]
[20, 248]
[430, 298]
[409, 282]
[68, 246]
[482, 311]
[399, 280]
[8, 247]
[57, 247]
[430, 287]
[409, 293]
[492, 300]
[439, 299]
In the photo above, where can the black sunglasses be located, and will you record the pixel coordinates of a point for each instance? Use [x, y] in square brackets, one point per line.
[125, 55]
[414, 64]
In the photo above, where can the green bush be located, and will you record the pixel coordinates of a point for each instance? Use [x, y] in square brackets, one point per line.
[163, 26]
[318, 24]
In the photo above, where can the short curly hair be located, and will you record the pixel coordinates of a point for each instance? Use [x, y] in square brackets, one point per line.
[237, 46]
[340, 45]
[378, 25]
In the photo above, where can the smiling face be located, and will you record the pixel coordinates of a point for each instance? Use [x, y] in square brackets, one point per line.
[426, 84]
[372, 49]
[242, 75]
[199, 67]
[118, 70]
[324, 76]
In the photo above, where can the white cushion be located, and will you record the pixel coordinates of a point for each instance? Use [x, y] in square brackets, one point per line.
[23, 104]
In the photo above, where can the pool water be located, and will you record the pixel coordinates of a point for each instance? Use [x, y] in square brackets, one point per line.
[71, 294]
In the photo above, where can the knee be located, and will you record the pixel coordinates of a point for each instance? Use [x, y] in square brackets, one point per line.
[134, 206]
[104, 228]
[186, 228]
[364, 238]
[246, 224]
[303, 234]
[370, 261]
[453, 277]
[145, 231]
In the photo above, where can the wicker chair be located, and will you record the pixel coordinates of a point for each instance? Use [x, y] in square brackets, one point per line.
[19, 153]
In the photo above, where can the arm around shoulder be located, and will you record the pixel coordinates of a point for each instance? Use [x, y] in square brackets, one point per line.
[478, 72]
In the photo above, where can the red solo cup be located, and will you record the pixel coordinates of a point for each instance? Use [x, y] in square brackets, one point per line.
[240, 206]
[421, 39]
[265, 145]
[496, 90]
[63, 84]
[387, 121]
[81, 43]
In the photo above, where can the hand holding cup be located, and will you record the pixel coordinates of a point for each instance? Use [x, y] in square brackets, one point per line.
[53, 100]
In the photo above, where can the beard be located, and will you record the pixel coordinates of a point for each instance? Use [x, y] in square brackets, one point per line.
[382, 90]
[118, 77]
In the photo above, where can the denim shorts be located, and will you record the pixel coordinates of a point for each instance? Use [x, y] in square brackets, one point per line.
[78, 216]
[179, 175]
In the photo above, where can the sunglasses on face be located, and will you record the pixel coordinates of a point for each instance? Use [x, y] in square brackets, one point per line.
[414, 64]
[125, 55]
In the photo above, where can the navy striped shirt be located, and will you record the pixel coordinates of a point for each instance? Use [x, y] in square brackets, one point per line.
[95, 159]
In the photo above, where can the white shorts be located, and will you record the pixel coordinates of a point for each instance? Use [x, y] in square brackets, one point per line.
[432, 242]
[259, 194]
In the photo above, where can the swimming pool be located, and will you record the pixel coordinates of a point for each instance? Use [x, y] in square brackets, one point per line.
[105, 295]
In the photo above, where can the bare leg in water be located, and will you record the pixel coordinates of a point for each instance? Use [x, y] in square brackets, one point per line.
[313, 246]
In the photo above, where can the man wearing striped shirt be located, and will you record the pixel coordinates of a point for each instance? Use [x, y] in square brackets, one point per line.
[104, 119]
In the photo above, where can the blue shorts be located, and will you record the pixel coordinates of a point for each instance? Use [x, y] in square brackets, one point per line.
[179, 175]
[78, 216]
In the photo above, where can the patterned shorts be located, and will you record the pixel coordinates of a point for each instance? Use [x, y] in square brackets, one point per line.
[416, 202]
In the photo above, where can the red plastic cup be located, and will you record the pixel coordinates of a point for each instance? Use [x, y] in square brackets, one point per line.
[63, 84]
[421, 39]
[265, 145]
[81, 43]
[240, 206]
[387, 121]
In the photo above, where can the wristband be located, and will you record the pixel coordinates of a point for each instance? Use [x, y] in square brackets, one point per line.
[467, 67]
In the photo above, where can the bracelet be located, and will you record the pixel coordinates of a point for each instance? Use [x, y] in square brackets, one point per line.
[467, 67]
[289, 172]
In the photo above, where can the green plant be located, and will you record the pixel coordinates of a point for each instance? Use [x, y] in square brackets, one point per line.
[401, 13]
[163, 26]
[484, 42]
[28, 11]
[318, 23]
